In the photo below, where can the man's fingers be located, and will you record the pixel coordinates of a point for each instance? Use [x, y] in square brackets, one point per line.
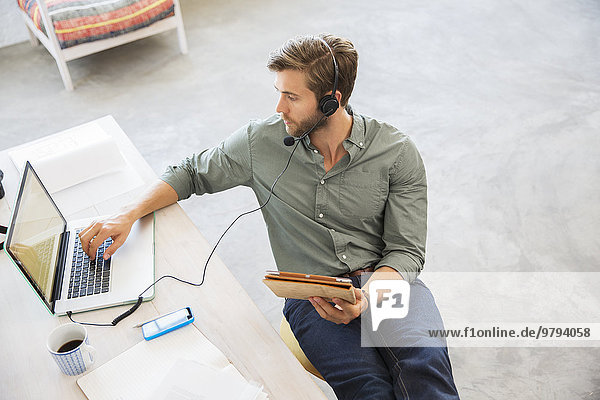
[332, 313]
[87, 234]
[342, 303]
[117, 227]
[361, 299]
[350, 310]
[87, 228]
[358, 293]
[96, 242]
[112, 248]
[318, 307]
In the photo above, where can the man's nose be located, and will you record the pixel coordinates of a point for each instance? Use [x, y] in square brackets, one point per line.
[281, 106]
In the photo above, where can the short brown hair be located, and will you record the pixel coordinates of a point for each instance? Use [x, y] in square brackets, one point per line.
[309, 55]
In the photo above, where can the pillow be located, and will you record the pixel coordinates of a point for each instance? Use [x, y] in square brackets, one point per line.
[81, 21]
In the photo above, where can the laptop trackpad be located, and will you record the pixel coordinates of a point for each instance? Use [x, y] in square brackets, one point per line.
[133, 263]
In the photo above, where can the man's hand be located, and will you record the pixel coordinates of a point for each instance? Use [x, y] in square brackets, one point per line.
[344, 312]
[159, 195]
[117, 227]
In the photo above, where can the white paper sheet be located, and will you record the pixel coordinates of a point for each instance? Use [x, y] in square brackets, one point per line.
[191, 380]
[72, 157]
[136, 373]
[79, 167]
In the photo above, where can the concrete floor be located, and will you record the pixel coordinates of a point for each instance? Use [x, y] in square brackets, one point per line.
[502, 98]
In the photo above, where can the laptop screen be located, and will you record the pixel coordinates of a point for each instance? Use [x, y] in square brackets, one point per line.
[34, 235]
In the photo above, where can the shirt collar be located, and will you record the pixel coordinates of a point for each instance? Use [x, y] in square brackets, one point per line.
[357, 133]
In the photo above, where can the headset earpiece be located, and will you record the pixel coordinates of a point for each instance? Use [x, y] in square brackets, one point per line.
[329, 105]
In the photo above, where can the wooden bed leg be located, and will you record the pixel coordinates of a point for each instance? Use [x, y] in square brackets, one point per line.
[183, 47]
[32, 39]
[64, 73]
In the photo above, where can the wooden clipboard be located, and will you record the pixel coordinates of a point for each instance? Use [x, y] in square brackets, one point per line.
[293, 285]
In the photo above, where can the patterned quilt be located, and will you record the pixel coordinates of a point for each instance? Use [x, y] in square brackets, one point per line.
[80, 21]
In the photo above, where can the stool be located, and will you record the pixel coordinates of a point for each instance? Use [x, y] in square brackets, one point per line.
[290, 340]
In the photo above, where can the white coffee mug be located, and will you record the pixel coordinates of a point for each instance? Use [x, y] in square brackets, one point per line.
[69, 346]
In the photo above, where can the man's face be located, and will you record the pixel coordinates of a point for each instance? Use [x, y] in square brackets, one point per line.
[297, 104]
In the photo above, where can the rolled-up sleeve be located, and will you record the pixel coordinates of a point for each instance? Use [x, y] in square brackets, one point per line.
[405, 219]
[213, 170]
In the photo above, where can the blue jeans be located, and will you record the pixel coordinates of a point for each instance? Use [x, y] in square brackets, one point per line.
[416, 371]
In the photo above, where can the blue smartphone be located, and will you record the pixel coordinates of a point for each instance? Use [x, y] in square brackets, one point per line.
[167, 323]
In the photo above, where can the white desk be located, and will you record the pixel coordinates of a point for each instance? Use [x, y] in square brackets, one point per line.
[224, 312]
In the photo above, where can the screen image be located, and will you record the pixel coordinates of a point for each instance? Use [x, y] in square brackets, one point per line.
[36, 229]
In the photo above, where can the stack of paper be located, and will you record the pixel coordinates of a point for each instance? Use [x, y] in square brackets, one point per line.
[79, 167]
[182, 364]
[191, 380]
[71, 157]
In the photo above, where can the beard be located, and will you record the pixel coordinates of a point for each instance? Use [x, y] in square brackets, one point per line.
[296, 129]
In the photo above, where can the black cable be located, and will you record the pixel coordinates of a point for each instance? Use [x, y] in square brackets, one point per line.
[3, 230]
[229, 227]
[115, 321]
[140, 298]
[69, 313]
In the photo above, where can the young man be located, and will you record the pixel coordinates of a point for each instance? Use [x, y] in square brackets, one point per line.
[352, 202]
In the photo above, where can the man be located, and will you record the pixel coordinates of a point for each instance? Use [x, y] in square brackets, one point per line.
[352, 202]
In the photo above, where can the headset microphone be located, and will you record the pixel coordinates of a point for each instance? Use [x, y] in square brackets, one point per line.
[290, 140]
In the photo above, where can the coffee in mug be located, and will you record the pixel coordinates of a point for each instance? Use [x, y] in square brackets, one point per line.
[69, 345]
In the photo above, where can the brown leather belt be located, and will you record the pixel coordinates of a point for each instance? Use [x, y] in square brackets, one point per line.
[358, 272]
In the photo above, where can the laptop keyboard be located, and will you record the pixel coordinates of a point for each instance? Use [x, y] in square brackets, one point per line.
[89, 277]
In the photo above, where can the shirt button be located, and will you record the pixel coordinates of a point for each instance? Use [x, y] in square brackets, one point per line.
[322, 181]
[333, 230]
[360, 144]
[320, 215]
[344, 256]
[316, 151]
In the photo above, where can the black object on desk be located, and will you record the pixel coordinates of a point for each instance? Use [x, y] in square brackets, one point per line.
[1, 188]
[2, 228]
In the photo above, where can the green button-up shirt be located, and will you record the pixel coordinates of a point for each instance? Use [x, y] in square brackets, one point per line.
[370, 209]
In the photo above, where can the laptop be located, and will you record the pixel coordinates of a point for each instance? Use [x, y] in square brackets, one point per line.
[46, 248]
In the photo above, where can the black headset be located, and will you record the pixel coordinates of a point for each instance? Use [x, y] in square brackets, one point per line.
[329, 103]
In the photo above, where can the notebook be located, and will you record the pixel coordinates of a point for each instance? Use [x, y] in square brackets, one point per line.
[43, 245]
[182, 364]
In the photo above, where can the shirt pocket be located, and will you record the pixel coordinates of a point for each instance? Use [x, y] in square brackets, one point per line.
[363, 194]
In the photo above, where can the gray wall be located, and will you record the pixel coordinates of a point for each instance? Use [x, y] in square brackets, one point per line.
[12, 27]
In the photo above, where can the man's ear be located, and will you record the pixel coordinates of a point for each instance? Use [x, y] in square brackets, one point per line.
[338, 96]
